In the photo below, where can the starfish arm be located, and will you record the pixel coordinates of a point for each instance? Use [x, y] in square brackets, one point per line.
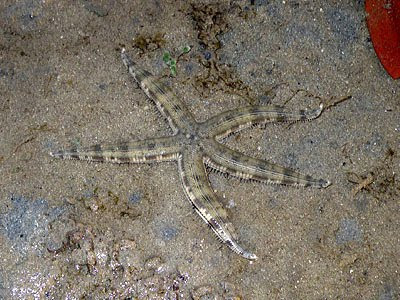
[199, 192]
[232, 121]
[170, 107]
[236, 164]
[145, 151]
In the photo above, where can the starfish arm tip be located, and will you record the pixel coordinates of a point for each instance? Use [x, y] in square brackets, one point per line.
[314, 113]
[325, 183]
[321, 108]
[251, 256]
[318, 111]
[57, 154]
[235, 247]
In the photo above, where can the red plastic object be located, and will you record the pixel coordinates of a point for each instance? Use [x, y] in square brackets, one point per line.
[383, 19]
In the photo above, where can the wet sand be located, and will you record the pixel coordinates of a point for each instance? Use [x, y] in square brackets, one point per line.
[72, 229]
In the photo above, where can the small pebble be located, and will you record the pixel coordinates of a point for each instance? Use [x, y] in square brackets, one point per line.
[135, 197]
[207, 55]
[153, 263]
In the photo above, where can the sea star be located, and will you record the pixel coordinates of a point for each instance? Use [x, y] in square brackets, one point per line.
[195, 145]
